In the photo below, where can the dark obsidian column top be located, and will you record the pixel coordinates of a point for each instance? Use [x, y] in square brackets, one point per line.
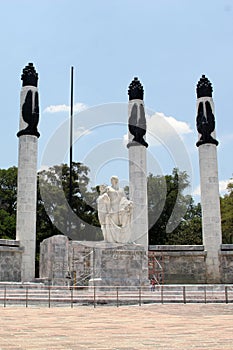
[204, 87]
[135, 90]
[29, 76]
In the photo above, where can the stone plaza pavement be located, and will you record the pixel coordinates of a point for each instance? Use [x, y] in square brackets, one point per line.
[168, 326]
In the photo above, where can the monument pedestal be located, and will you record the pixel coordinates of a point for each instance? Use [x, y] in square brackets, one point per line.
[26, 204]
[211, 214]
[138, 194]
[119, 265]
[27, 171]
[138, 163]
[210, 202]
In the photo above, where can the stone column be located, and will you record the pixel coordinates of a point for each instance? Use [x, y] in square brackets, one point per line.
[27, 171]
[210, 202]
[138, 164]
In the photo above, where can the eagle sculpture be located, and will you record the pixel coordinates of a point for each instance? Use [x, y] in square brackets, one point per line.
[205, 124]
[30, 114]
[137, 124]
[137, 119]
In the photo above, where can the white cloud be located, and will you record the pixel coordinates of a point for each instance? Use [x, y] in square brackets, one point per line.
[78, 107]
[162, 127]
[222, 188]
[182, 128]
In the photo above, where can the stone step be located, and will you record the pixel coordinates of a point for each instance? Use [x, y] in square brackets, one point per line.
[23, 295]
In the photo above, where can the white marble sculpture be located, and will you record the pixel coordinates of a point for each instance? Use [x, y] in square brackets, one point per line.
[115, 213]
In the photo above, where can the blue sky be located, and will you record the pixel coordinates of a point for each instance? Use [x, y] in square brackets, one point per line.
[168, 44]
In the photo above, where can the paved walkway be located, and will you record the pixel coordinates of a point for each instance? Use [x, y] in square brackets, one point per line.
[169, 326]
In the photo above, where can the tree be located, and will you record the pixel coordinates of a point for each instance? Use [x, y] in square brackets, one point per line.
[164, 192]
[189, 230]
[54, 213]
[8, 196]
[169, 209]
[227, 215]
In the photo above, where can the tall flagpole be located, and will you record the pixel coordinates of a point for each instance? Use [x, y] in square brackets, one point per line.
[71, 139]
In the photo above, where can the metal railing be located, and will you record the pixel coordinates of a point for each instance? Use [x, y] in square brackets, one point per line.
[53, 296]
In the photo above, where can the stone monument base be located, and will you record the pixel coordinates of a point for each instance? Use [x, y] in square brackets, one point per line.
[92, 263]
[10, 260]
[119, 265]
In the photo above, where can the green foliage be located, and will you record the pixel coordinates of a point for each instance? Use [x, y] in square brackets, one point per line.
[164, 192]
[53, 205]
[8, 195]
[189, 230]
[169, 207]
[227, 215]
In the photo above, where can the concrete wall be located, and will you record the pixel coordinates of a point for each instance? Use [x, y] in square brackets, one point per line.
[10, 261]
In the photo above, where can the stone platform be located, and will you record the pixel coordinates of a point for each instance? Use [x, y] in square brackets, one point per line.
[119, 265]
[93, 263]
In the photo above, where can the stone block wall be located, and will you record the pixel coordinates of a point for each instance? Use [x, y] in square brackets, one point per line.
[65, 262]
[114, 264]
[10, 261]
[226, 263]
[54, 259]
[184, 268]
[119, 265]
[181, 264]
[187, 264]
